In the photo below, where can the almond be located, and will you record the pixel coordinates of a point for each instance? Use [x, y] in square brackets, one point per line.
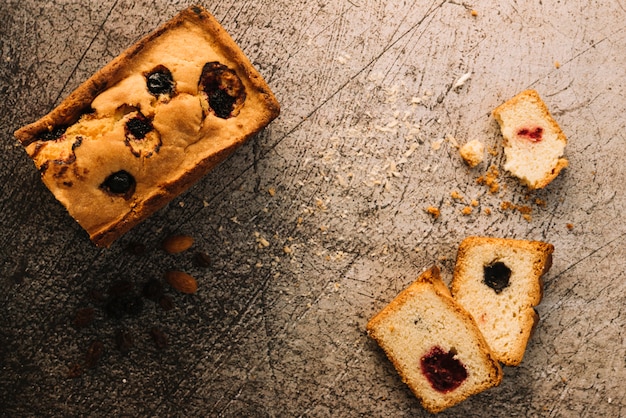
[181, 281]
[177, 243]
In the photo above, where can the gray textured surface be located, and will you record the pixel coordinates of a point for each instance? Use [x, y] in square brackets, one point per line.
[353, 161]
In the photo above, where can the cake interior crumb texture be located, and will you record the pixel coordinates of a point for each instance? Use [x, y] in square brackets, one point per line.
[149, 124]
[505, 315]
[533, 141]
[422, 319]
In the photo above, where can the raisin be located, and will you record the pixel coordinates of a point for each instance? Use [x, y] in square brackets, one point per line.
[153, 290]
[123, 306]
[223, 88]
[496, 276]
[202, 260]
[53, 134]
[160, 81]
[138, 127]
[166, 303]
[136, 248]
[443, 371]
[83, 317]
[120, 182]
[94, 353]
[121, 288]
[124, 341]
[159, 338]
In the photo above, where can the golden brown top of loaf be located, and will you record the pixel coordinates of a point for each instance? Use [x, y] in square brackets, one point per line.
[149, 124]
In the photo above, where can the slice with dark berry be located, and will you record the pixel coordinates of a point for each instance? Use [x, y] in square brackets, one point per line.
[221, 91]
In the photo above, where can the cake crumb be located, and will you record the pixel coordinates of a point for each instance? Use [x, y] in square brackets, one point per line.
[569, 226]
[540, 202]
[472, 152]
[433, 211]
[456, 195]
[467, 210]
[557, 65]
[474, 203]
[474, 13]
[490, 179]
[271, 191]
[487, 211]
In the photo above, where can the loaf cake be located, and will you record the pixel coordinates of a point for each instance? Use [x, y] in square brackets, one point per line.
[533, 141]
[499, 282]
[434, 344]
[149, 124]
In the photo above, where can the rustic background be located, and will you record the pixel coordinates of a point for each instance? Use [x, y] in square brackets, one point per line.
[319, 221]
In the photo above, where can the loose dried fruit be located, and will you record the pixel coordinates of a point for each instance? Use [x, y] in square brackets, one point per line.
[124, 341]
[159, 338]
[181, 281]
[202, 259]
[153, 290]
[94, 353]
[177, 243]
[84, 317]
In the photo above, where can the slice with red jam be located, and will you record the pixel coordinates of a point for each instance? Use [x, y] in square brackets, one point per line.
[443, 370]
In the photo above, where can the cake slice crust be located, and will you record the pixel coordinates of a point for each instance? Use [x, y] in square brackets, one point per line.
[533, 141]
[499, 282]
[434, 344]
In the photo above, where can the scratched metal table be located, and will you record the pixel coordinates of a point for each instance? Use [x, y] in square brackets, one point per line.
[319, 221]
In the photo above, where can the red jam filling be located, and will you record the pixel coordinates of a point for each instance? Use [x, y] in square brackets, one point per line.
[532, 134]
[443, 371]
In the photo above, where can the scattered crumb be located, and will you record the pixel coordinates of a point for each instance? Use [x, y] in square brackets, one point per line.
[569, 226]
[487, 211]
[467, 210]
[474, 203]
[271, 191]
[557, 65]
[474, 13]
[490, 179]
[472, 152]
[523, 209]
[493, 151]
[527, 217]
[456, 195]
[323, 228]
[287, 250]
[461, 80]
[540, 202]
[433, 211]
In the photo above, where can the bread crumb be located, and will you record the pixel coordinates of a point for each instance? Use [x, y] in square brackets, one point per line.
[467, 210]
[472, 152]
[271, 191]
[557, 65]
[433, 211]
[474, 13]
[474, 202]
[569, 226]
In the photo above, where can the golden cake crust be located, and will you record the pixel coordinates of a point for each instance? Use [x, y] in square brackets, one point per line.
[186, 136]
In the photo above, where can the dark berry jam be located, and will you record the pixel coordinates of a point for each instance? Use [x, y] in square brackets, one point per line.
[532, 134]
[120, 183]
[444, 372]
[223, 88]
[160, 81]
[496, 276]
[138, 127]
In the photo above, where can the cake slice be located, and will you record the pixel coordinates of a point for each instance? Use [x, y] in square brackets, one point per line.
[533, 141]
[434, 344]
[149, 124]
[499, 282]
